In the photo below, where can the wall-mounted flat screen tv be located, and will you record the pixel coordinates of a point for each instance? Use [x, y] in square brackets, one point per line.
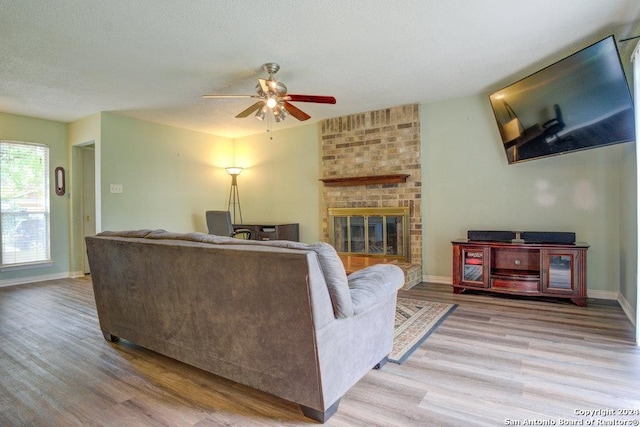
[580, 102]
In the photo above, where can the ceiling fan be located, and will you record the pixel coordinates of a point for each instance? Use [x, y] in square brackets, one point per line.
[273, 97]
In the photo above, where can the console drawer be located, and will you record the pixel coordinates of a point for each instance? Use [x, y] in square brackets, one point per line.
[516, 285]
[516, 259]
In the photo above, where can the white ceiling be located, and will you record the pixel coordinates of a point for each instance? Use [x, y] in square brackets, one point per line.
[149, 59]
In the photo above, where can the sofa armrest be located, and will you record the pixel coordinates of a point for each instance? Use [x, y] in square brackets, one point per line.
[373, 284]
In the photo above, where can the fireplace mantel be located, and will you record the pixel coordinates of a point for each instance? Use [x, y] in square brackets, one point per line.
[365, 180]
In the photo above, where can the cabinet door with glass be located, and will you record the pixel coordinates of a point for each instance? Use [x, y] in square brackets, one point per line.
[474, 262]
[559, 271]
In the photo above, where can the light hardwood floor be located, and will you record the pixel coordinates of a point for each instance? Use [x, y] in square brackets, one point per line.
[494, 361]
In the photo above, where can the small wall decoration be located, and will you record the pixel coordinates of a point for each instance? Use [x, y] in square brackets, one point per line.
[60, 182]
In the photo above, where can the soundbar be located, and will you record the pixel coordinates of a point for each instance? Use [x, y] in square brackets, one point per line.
[560, 237]
[491, 236]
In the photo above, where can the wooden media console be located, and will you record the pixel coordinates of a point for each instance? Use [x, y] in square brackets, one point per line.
[534, 269]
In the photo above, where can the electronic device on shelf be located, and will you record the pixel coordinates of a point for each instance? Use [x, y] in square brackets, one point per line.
[549, 237]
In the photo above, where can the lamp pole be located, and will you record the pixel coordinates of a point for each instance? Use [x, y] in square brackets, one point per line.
[234, 195]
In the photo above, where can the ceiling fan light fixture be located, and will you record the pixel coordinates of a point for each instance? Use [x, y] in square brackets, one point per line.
[262, 112]
[279, 113]
[273, 99]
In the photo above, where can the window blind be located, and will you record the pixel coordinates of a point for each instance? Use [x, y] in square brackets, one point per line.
[24, 202]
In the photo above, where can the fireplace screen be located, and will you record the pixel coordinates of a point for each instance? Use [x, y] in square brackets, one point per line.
[370, 231]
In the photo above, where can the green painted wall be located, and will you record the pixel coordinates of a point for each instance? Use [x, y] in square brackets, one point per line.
[628, 262]
[54, 134]
[170, 176]
[280, 184]
[469, 185]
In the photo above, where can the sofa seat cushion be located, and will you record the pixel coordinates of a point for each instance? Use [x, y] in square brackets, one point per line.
[373, 284]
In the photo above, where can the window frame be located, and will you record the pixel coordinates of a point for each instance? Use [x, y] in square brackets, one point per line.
[40, 256]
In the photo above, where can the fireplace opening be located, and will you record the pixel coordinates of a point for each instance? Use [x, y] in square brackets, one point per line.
[382, 232]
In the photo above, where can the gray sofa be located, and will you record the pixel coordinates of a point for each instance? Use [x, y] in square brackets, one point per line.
[278, 316]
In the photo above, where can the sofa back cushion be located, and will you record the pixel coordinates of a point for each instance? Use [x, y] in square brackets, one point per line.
[333, 270]
[336, 278]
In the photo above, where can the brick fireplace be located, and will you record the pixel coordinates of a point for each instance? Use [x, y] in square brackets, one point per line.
[372, 160]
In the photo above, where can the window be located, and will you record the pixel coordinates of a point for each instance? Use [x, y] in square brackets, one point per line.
[24, 203]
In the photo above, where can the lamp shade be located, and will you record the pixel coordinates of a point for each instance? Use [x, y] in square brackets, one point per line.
[234, 170]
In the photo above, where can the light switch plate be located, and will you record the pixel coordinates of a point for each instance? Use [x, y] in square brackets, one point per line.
[115, 188]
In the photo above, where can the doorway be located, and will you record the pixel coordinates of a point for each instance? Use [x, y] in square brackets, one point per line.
[88, 199]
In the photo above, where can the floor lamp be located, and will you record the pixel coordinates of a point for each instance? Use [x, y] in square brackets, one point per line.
[234, 196]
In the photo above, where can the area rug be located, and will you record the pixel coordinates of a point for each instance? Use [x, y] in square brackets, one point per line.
[415, 321]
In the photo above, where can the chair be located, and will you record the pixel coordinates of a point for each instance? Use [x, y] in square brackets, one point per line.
[219, 223]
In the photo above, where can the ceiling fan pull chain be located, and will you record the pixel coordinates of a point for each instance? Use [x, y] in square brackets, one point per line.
[269, 127]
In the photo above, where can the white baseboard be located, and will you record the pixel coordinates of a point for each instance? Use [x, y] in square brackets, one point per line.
[628, 310]
[437, 279]
[33, 279]
[617, 296]
[594, 293]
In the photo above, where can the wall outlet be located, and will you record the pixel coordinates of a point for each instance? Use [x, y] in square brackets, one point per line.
[115, 188]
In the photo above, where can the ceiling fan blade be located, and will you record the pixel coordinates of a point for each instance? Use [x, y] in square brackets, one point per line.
[296, 112]
[313, 98]
[250, 110]
[229, 96]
